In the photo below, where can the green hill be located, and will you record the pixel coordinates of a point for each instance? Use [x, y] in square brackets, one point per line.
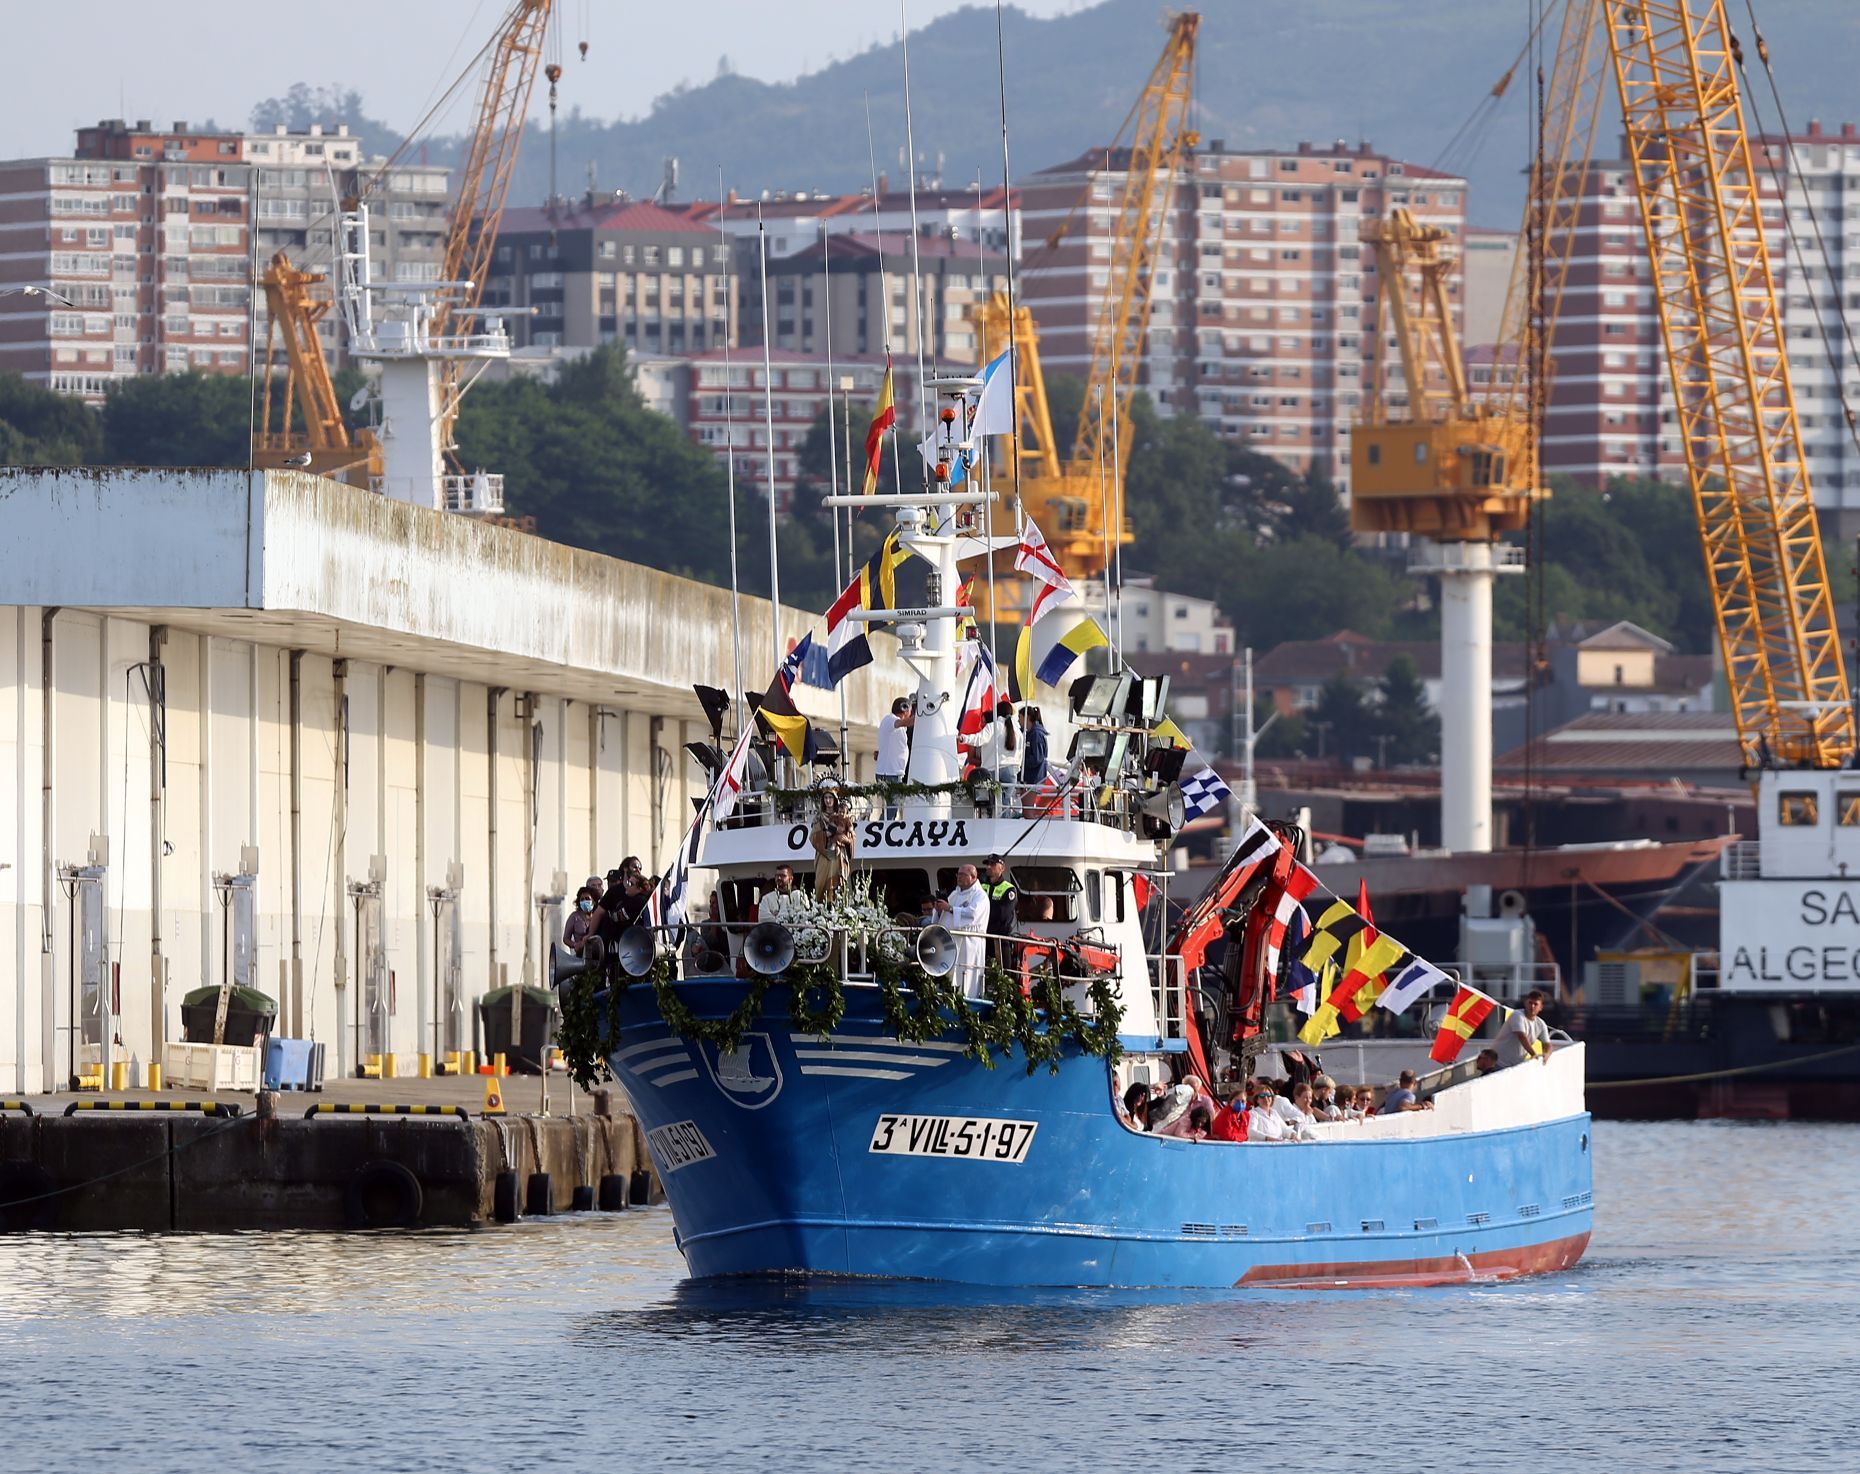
[1403, 73]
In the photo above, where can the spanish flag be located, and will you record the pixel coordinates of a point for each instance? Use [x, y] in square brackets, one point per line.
[883, 420]
[1468, 1011]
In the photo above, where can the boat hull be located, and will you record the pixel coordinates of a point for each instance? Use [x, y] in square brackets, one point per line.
[868, 1156]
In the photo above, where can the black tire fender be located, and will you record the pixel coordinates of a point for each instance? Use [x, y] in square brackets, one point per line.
[384, 1194]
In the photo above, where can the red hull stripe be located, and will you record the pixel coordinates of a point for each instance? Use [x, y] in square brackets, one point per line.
[1379, 1274]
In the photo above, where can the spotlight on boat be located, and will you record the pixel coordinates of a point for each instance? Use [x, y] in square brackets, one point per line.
[769, 948]
[936, 951]
[636, 950]
[1162, 815]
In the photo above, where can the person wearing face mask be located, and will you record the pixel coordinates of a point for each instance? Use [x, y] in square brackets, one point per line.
[582, 921]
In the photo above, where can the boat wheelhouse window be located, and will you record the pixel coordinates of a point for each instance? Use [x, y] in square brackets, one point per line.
[1117, 881]
[1094, 895]
[1033, 882]
[1797, 807]
[901, 892]
[1847, 808]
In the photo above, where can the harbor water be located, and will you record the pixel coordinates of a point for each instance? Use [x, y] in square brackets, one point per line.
[1708, 1329]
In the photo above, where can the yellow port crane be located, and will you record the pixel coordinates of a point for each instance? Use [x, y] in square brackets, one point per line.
[294, 310]
[1077, 499]
[511, 60]
[1675, 66]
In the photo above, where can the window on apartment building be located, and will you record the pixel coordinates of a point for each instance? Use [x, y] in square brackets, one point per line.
[1290, 226]
[1291, 255]
[1288, 345]
[674, 255]
[1256, 169]
[1292, 196]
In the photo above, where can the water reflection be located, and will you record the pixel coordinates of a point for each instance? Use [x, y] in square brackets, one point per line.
[1698, 1335]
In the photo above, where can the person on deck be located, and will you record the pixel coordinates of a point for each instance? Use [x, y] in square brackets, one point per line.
[1323, 1106]
[1033, 764]
[582, 921]
[1262, 1121]
[1526, 1036]
[1486, 1063]
[1001, 899]
[968, 919]
[1134, 1109]
[998, 746]
[783, 902]
[894, 741]
[1403, 1097]
[1229, 1122]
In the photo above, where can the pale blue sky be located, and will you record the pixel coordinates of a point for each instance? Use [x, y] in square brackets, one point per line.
[71, 63]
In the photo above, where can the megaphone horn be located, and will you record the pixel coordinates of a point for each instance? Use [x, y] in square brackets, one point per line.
[936, 951]
[769, 948]
[636, 950]
[564, 965]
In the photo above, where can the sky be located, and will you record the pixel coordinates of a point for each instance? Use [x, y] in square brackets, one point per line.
[201, 59]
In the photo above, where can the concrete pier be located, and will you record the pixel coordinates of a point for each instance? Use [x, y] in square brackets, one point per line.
[137, 1167]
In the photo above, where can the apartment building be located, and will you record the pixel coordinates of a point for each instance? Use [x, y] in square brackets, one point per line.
[299, 183]
[1263, 293]
[598, 270]
[1068, 213]
[729, 411]
[150, 236]
[1284, 295]
[884, 296]
[143, 236]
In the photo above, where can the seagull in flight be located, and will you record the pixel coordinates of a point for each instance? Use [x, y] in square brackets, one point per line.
[33, 290]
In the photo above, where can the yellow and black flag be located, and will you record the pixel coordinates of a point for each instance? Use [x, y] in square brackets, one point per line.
[778, 715]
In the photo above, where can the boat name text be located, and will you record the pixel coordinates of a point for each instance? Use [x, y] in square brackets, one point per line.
[900, 834]
[966, 1138]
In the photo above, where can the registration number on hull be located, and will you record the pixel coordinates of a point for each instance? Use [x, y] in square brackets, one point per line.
[965, 1138]
[678, 1145]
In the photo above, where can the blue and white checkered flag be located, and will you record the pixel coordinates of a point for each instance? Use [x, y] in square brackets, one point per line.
[1203, 791]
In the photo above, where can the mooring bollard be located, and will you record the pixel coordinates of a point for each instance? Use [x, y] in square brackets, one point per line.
[267, 1105]
[603, 1102]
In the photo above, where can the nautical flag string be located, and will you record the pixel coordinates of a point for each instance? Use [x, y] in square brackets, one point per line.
[778, 713]
[1036, 559]
[874, 587]
[978, 694]
[1203, 791]
[1468, 1010]
[1418, 978]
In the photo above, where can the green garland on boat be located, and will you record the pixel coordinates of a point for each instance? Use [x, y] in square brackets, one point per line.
[1039, 1025]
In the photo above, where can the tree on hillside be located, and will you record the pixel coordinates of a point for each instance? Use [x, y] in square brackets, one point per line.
[40, 428]
[600, 470]
[1409, 730]
[1342, 722]
[189, 419]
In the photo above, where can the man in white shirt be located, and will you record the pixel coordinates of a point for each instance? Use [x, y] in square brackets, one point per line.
[894, 741]
[1295, 1111]
[968, 919]
[784, 903]
[1526, 1036]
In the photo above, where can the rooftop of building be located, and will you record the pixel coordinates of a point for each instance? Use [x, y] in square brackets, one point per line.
[1627, 742]
[822, 204]
[857, 246]
[1358, 657]
[640, 217]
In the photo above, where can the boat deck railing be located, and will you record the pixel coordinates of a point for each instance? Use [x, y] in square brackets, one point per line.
[714, 949]
[1742, 860]
[1507, 981]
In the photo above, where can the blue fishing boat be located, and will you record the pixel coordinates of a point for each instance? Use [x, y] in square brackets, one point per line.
[885, 1082]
